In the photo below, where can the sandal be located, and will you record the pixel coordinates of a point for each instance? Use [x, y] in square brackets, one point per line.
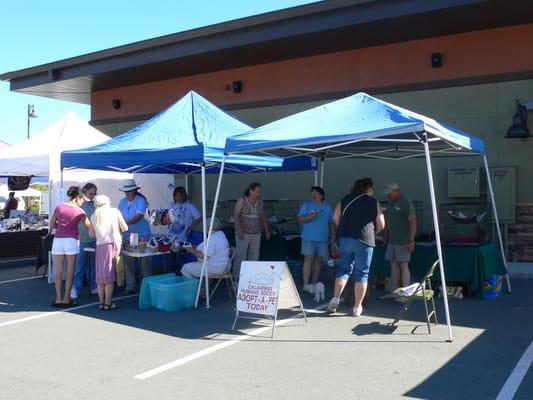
[71, 303]
[56, 304]
[101, 306]
[111, 307]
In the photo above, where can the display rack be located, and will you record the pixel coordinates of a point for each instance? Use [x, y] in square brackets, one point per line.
[466, 224]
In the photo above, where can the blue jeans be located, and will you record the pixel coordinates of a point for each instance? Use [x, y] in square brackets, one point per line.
[85, 266]
[313, 248]
[354, 255]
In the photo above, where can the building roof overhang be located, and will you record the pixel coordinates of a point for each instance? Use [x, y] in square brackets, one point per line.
[312, 29]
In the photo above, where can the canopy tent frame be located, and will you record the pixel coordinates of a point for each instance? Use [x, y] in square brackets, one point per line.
[444, 142]
[203, 168]
[189, 140]
[427, 154]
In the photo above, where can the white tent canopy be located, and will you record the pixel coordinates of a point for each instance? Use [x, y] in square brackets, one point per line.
[40, 156]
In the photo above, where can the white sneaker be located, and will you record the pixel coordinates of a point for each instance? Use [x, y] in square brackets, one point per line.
[73, 293]
[309, 289]
[357, 311]
[333, 305]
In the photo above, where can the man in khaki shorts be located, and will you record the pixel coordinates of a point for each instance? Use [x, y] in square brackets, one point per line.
[400, 221]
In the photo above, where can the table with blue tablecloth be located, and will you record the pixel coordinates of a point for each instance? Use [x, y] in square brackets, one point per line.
[468, 264]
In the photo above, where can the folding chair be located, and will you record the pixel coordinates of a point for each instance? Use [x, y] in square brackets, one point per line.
[225, 275]
[423, 292]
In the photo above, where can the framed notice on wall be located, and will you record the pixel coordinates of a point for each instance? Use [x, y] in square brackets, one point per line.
[264, 288]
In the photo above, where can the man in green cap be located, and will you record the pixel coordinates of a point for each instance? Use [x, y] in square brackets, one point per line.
[400, 222]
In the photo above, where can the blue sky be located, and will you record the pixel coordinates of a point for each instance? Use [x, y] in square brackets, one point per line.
[35, 32]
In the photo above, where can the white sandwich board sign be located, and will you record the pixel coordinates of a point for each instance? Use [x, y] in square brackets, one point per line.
[264, 288]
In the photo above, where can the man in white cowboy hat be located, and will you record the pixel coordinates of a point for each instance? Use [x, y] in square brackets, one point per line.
[133, 208]
[400, 222]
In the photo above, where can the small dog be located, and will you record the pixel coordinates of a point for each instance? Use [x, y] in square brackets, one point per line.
[319, 291]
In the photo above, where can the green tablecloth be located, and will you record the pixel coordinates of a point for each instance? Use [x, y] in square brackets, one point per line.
[461, 264]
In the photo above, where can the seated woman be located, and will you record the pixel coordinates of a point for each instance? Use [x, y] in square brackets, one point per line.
[217, 254]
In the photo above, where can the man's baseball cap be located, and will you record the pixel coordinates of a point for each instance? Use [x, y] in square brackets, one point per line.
[391, 187]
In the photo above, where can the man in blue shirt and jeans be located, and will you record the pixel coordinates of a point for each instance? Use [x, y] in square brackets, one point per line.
[85, 263]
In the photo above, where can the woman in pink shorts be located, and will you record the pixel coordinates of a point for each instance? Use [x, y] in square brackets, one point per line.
[65, 220]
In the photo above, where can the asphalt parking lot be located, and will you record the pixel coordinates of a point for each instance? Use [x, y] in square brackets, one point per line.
[85, 353]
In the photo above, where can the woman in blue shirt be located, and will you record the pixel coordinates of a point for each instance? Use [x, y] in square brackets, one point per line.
[133, 207]
[317, 219]
[186, 215]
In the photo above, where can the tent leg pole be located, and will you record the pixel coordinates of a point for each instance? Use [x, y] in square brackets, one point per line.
[497, 222]
[50, 260]
[187, 183]
[204, 273]
[316, 177]
[437, 237]
[322, 164]
[204, 232]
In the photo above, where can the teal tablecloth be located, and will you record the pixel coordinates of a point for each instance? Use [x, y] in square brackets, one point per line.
[471, 265]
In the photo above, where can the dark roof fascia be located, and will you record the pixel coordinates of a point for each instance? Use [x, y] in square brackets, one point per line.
[329, 96]
[270, 26]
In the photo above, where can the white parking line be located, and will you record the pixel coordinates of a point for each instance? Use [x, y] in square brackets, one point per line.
[21, 279]
[517, 376]
[217, 347]
[50, 313]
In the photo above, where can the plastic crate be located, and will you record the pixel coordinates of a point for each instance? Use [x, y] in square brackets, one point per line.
[174, 294]
[145, 297]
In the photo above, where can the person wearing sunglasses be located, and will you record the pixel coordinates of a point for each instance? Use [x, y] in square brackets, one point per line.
[85, 263]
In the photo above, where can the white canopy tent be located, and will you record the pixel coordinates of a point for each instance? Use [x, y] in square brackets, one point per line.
[40, 157]
[365, 127]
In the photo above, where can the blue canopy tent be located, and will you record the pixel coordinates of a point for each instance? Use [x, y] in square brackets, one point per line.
[188, 137]
[190, 133]
[364, 126]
